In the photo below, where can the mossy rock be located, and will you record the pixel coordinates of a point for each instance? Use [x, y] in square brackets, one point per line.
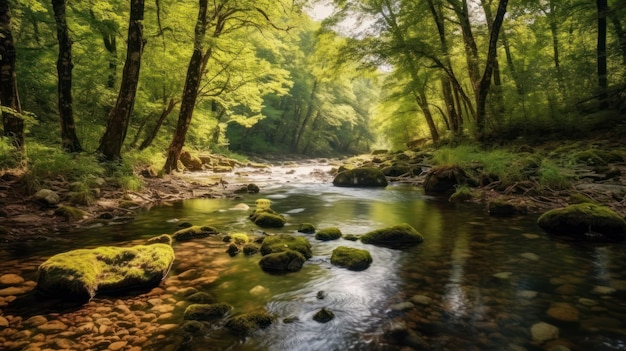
[70, 213]
[396, 170]
[47, 197]
[584, 221]
[461, 194]
[248, 323]
[193, 232]
[80, 274]
[351, 237]
[283, 242]
[161, 239]
[323, 315]
[201, 298]
[232, 250]
[445, 179]
[351, 258]
[238, 238]
[398, 236]
[361, 177]
[267, 218]
[503, 208]
[306, 228]
[250, 249]
[328, 234]
[286, 261]
[206, 312]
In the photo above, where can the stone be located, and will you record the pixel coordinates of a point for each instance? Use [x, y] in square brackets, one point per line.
[47, 197]
[421, 300]
[306, 228]
[527, 294]
[398, 236]
[351, 258]
[360, 177]
[328, 234]
[503, 275]
[247, 323]
[194, 232]
[323, 315]
[284, 242]
[205, 312]
[563, 312]
[602, 290]
[4, 322]
[584, 221]
[10, 280]
[286, 261]
[542, 332]
[530, 256]
[267, 218]
[80, 274]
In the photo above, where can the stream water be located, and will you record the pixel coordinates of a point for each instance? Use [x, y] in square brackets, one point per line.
[475, 283]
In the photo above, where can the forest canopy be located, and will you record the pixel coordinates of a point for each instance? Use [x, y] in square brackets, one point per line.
[270, 77]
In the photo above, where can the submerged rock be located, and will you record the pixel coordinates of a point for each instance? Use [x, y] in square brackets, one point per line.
[351, 258]
[396, 237]
[323, 315]
[584, 221]
[306, 228]
[249, 322]
[206, 312]
[361, 177]
[80, 274]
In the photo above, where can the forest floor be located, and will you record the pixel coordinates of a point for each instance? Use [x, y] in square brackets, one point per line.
[22, 219]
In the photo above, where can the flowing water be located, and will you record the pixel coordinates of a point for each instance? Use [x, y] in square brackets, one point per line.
[475, 283]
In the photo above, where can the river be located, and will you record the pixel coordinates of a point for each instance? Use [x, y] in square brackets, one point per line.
[476, 282]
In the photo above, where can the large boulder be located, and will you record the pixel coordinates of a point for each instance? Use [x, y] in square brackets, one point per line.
[445, 179]
[327, 234]
[247, 323]
[267, 218]
[398, 236]
[361, 177]
[585, 221]
[351, 258]
[81, 274]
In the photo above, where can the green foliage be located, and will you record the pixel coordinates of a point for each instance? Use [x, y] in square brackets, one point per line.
[553, 177]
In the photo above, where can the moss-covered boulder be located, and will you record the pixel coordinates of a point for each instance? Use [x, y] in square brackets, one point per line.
[194, 232]
[267, 218]
[81, 274]
[398, 236]
[328, 234]
[445, 179]
[284, 242]
[70, 213]
[206, 312]
[237, 238]
[397, 170]
[306, 228]
[351, 258]
[248, 323]
[286, 261]
[47, 197]
[585, 221]
[361, 177]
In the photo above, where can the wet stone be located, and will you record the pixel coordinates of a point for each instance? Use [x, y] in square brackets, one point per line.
[563, 312]
[421, 300]
[566, 289]
[52, 327]
[530, 256]
[10, 280]
[35, 321]
[603, 290]
[3, 322]
[542, 332]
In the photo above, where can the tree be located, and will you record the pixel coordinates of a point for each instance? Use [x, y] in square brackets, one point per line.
[119, 117]
[11, 113]
[69, 139]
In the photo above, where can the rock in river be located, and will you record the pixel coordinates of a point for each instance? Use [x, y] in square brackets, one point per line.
[80, 274]
[361, 177]
[398, 236]
[584, 221]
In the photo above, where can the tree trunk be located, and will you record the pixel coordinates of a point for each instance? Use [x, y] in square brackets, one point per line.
[190, 92]
[69, 140]
[485, 82]
[619, 33]
[166, 112]
[603, 9]
[110, 44]
[11, 120]
[471, 50]
[307, 117]
[117, 126]
[422, 101]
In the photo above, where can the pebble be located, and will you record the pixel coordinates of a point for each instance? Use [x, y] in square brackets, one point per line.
[527, 294]
[542, 332]
[602, 290]
[530, 256]
[563, 312]
[10, 280]
[4, 322]
[421, 300]
[118, 345]
[503, 275]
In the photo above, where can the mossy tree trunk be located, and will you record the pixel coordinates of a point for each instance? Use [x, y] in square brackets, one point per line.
[117, 126]
[603, 9]
[69, 139]
[11, 120]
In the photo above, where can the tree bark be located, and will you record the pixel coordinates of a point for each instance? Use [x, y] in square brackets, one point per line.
[190, 92]
[603, 9]
[110, 44]
[11, 120]
[485, 81]
[471, 50]
[166, 111]
[620, 33]
[69, 139]
[117, 126]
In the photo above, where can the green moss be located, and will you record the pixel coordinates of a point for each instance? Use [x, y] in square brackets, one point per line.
[351, 237]
[361, 177]
[462, 193]
[283, 242]
[70, 213]
[206, 312]
[499, 207]
[162, 239]
[193, 232]
[239, 238]
[249, 322]
[578, 198]
[82, 273]
[201, 298]
[306, 228]
[589, 158]
[327, 234]
[351, 258]
[583, 221]
[397, 236]
[250, 249]
[285, 261]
